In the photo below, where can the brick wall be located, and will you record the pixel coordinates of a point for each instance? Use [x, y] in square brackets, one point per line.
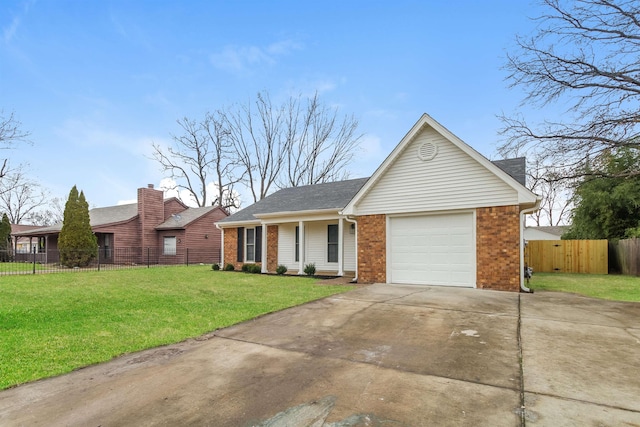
[372, 249]
[202, 237]
[150, 215]
[498, 248]
[231, 248]
[272, 248]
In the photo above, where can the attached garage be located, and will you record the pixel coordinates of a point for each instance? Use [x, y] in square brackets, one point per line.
[432, 250]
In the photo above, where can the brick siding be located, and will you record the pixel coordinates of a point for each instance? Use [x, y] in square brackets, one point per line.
[498, 248]
[372, 249]
[231, 248]
[272, 248]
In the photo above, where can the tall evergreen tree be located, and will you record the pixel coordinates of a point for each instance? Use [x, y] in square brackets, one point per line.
[77, 243]
[5, 238]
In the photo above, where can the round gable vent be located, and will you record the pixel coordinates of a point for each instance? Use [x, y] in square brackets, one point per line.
[427, 151]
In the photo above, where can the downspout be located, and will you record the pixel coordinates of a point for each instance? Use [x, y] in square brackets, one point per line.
[522, 220]
[221, 245]
[353, 221]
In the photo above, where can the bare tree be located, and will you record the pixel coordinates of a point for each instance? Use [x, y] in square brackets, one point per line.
[291, 144]
[201, 152]
[556, 193]
[52, 213]
[584, 54]
[260, 141]
[20, 197]
[320, 145]
[10, 134]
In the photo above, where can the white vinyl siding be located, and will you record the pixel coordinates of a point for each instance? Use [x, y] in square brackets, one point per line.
[286, 246]
[432, 250]
[451, 180]
[315, 246]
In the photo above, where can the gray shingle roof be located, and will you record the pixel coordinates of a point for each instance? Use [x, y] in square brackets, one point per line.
[516, 168]
[331, 195]
[111, 214]
[97, 217]
[185, 217]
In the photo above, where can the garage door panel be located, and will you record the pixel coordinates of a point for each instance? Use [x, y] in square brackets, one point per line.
[433, 250]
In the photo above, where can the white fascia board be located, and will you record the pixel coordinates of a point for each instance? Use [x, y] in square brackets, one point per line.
[525, 196]
[295, 216]
[236, 224]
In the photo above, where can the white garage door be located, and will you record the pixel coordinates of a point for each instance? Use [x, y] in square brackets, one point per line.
[433, 250]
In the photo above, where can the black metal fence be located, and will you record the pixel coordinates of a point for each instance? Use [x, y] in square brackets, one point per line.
[104, 259]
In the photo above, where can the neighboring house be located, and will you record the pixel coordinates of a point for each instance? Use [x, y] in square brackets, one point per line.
[436, 212]
[545, 233]
[23, 245]
[153, 225]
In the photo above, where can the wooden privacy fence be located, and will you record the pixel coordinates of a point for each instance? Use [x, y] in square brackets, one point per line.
[568, 256]
[625, 256]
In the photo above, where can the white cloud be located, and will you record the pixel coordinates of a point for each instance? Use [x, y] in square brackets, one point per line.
[10, 31]
[242, 59]
[169, 186]
[283, 47]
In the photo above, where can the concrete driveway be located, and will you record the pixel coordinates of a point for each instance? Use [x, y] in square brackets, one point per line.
[380, 355]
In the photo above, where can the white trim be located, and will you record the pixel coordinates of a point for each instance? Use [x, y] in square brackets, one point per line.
[301, 249]
[236, 224]
[246, 244]
[288, 214]
[263, 249]
[340, 246]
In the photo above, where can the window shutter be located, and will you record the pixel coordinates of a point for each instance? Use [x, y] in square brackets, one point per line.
[240, 256]
[259, 244]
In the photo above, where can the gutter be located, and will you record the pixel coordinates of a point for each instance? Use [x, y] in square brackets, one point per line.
[522, 220]
[353, 221]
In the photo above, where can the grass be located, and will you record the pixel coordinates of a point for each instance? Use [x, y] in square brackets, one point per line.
[18, 267]
[604, 286]
[54, 323]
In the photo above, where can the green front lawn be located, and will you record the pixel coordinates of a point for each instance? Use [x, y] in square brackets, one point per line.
[18, 267]
[54, 323]
[605, 286]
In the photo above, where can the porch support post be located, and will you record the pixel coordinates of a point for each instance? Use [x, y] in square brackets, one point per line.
[264, 248]
[340, 245]
[221, 263]
[301, 250]
[46, 249]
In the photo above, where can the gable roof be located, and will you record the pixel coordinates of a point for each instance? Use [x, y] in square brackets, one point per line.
[317, 197]
[524, 195]
[184, 218]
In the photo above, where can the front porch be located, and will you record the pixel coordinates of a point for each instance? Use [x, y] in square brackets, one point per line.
[329, 243]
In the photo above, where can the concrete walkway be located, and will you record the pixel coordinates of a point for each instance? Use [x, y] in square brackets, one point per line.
[380, 355]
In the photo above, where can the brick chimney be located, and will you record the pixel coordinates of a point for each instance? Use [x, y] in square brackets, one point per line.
[151, 214]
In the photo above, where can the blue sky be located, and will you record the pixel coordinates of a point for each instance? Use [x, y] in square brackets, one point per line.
[97, 82]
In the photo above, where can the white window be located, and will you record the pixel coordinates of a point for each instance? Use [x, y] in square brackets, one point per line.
[169, 245]
[250, 254]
